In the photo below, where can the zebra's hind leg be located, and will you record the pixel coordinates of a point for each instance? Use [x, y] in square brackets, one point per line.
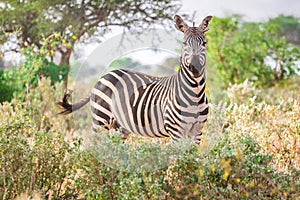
[101, 124]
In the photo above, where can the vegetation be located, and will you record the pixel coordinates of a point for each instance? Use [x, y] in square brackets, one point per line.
[250, 158]
[250, 148]
[74, 21]
[243, 51]
[289, 27]
[123, 63]
[18, 81]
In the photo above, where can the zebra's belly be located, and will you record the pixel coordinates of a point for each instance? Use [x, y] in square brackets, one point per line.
[151, 121]
[139, 114]
[148, 122]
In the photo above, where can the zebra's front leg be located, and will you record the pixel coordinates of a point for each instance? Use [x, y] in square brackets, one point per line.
[175, 137]
[125, 134]
[173, 133]
[197, 138]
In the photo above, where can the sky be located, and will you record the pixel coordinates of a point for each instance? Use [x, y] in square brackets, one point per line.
[252, 10]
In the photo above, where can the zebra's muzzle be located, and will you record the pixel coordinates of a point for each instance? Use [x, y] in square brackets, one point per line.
[196, 67]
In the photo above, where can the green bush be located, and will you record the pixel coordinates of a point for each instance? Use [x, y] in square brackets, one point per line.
[47, 164]
[41, 163]
[275, 126]
[18, 80]
[35, 156]
[240, 51]
[37, 66]
[6, 87]
[233, 169]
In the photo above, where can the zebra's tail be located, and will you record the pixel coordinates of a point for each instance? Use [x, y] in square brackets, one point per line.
[68, 108]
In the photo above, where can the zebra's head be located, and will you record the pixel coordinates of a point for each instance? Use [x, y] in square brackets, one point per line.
[193, 53]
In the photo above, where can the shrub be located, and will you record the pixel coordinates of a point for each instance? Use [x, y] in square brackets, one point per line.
[233, 169]
[6, 87]
[34, 160]
[19, 80]
[274, 125]
[37, 65]
[243, 51]
[41, 164]
[42, 157]
[39, 161]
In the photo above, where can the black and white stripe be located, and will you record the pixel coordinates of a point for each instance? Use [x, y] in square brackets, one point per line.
[174, 106]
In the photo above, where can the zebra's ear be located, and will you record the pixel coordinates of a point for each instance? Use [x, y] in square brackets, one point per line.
[180, 24]
[204, 25]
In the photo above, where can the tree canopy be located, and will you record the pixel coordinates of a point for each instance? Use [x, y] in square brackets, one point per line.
[32, 22]
[253, 51]
[289, 27]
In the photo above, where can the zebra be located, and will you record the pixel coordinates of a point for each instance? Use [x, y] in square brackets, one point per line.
[135, 103]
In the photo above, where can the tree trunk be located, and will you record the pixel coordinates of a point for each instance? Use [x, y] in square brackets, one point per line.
[65, 60]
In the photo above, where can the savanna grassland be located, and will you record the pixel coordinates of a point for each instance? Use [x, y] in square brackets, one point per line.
[250, 147]
[250, 150]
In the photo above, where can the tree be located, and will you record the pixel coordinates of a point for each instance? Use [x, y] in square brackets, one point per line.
[31, 22]
[240, 51]
[289, 27]
[123, 63]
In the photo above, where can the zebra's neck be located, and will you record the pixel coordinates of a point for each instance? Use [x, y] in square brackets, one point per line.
[190, 88]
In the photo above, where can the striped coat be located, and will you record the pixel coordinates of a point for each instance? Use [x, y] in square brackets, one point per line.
[174, 106]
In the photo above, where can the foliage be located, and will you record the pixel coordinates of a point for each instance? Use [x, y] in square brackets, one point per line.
[125, 62]
[42, 163]
[275, 125]
[40, 155]
[243, 51]
[32, 148]
[17, 81]
[249, 149]
[233, 169]
[75, 20]
[289, 27]
[6, 87]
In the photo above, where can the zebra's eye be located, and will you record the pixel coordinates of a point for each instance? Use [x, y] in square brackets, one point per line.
[184, 43]
[204, 43]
